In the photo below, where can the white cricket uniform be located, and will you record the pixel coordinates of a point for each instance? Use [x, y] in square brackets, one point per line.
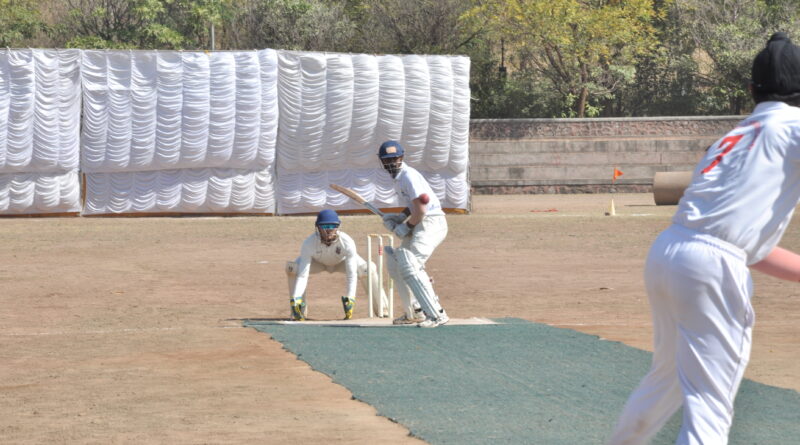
[423, 240]
[340, 256]
[741, 198]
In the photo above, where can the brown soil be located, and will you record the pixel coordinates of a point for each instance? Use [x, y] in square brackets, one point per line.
[119, 330]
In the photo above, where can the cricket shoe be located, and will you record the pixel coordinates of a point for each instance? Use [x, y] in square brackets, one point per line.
[298, 309]
[348, 304]
[432, 323]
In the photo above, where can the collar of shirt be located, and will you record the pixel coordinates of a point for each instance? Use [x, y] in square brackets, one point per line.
[769, 106]
[401, 173]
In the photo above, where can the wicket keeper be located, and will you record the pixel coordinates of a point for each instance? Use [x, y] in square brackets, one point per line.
[329, 249]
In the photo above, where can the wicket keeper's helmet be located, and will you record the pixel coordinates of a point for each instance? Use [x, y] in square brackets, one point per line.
[328, 216]
[776, 69]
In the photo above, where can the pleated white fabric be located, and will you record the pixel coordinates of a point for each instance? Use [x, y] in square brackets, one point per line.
[39, 130]
[155, 110]
[38, 193]
[171, 131]
[197, 116]
[336, 109]
[203, 190]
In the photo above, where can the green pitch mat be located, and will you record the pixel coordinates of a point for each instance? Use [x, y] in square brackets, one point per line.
[513, 382]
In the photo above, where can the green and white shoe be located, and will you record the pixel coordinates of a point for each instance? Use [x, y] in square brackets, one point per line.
[348, 304]
[298, 309]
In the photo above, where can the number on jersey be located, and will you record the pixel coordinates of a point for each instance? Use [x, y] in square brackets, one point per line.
[727, 144]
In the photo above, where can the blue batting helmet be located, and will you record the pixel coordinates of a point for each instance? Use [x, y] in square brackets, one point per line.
[390, 149]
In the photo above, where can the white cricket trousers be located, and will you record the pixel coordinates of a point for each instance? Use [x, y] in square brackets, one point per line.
[699, 289]
[424, 239]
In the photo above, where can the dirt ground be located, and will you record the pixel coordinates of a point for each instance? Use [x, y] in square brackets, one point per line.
[120, 330]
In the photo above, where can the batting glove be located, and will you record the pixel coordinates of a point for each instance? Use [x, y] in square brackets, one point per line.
[402, 230]
[391, 220]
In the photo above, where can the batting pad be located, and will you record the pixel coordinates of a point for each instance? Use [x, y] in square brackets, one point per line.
[510, 382]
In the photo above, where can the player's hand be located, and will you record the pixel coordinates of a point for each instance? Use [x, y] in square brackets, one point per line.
[391, 220]
[402, 230]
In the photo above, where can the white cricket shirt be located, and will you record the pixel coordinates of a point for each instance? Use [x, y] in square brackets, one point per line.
[410, 184]
[343, 249]
[747, 186]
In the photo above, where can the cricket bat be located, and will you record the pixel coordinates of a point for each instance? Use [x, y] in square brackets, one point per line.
[357, 198]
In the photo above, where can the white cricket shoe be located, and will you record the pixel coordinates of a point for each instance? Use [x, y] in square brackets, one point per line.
[431, 323]
[403, 319]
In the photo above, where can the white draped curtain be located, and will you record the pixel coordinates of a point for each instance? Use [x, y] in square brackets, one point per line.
[336, 109]
[39, 131]
[242, 131]
[174, 131]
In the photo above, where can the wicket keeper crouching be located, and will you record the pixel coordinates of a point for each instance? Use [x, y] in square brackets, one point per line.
[331, 250]
[421, 227]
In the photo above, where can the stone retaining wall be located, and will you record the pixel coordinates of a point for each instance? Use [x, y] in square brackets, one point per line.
[579, 155]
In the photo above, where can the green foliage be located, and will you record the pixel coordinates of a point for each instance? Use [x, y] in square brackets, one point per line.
[168, 24]
[560, 58]
[420, 26]
[293, 24]
[726, 35]
[19, 20]
[585, 49]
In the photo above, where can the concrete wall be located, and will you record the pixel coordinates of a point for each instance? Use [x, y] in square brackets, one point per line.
[579, 155]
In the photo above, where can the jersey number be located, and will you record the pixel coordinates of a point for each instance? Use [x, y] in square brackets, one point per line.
[726, 145]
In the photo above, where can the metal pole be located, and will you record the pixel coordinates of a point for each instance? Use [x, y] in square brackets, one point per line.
[213, 46]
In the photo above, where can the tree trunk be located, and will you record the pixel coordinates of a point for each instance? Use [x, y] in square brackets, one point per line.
[582, 102]
[584, 97]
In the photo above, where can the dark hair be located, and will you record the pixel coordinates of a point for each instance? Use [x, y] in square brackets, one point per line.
[792, 99]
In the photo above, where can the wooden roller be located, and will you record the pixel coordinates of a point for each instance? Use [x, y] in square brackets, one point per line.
[668, 187]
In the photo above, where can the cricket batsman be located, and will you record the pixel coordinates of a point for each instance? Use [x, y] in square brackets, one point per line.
[329, 249]
[421, 227]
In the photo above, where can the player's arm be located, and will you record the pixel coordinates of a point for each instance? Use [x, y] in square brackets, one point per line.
[418, 209]
[780, 263]
[303, 268]
[350, 267]
[351, 276]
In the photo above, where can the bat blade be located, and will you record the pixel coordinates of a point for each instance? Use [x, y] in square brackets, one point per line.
[349, 193]
[357, 198]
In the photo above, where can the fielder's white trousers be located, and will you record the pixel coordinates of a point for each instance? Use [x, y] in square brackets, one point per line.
[699, 289]
[315, 267]
[424, 239]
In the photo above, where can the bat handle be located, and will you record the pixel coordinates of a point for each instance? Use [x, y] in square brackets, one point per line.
[373, 209]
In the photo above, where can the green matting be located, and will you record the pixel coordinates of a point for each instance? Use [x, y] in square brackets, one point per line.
[514, 382]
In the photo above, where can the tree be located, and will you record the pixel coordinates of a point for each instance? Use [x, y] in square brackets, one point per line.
[19, 20]
[421, 27]
[727, 34]
[170, 24]
[312, 25]
[585, 49]
[119, 24]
